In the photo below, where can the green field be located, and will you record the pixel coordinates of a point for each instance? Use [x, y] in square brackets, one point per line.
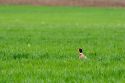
[40, 44]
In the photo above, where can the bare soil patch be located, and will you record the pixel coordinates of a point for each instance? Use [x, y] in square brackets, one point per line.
[102, 3]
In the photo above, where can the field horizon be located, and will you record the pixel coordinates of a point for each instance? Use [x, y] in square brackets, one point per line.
[82, 3]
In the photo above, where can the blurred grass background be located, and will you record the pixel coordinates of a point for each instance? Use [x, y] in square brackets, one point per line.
[40, 44]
